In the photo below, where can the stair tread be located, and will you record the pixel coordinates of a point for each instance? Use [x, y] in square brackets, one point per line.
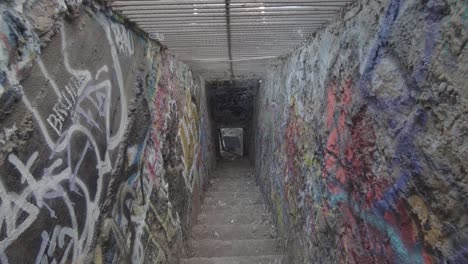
[231, 248]
[233, 179]
[237, 231]
[232, 218]
[232, 194]
[230, 188]
[275, 259]
[233, 201]
[228, 209]
[235, 186]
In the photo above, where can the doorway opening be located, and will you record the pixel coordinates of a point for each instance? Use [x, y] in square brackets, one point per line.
[231, 142]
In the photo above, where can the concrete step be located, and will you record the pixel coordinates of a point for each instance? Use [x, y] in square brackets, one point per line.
[236, 177]
[233, 194]
[232, 172]
[244, 178]
[234, 188]
[236, 167]
[237, 260]
[231, 188]
[237, 184]
[234, 185]
[208, 248]
[227, 209]
[239, 201]
[233, 218]
[232, 232]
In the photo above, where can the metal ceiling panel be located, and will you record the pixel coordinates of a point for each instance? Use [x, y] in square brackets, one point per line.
[226, 39]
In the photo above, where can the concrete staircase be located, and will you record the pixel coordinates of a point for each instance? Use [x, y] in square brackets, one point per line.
[234, 226]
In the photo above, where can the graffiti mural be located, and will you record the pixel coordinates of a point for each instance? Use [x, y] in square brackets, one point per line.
[89, 123]
[188, 133]
[363, 167]
[70, 118]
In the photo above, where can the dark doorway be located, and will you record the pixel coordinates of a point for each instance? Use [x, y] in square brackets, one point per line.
[231, 142]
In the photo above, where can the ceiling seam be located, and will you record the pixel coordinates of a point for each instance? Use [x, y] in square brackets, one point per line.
[229, 40]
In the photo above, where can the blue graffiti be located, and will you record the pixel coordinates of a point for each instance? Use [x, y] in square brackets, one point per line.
[406, 133]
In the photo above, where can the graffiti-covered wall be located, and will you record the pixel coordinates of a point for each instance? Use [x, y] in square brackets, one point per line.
[361, 136]
[102, 155]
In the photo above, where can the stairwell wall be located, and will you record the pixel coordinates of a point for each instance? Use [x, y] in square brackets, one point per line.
[105, 138]
[361, 141]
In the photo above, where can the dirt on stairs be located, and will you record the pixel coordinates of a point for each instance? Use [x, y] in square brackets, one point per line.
[234, 226]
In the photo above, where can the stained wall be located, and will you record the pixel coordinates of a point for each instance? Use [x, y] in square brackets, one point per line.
[360, 136]
[105, 139]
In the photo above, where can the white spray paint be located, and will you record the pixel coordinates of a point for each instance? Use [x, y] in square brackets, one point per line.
[76, 103]
[123, 39]
[7, 133]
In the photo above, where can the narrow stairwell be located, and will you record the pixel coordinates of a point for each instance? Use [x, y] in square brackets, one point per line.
[234, 226]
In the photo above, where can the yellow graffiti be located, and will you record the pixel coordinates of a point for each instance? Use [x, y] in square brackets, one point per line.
[189, 138]
[433, 228]
[309, 160]
[279, 213]
[161, 258]
[167, 222]
[98, 257]
[293, 206]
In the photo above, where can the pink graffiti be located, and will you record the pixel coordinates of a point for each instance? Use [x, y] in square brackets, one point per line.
[291, 144]
[160, 109]
[348, 157]
[348, 169]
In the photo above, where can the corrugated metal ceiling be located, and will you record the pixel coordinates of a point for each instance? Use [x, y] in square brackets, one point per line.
[222, 39]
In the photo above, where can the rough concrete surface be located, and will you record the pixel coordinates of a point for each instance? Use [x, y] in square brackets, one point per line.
[361, 136]
[102, 158]
[233, 228]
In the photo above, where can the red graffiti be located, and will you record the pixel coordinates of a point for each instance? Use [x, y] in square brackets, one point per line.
[338, 102]
[291, 144]
[160, 110]
[405, 225]
[6, 42]
[292, 164]
[359, 158]
[349, 156]
[161, 107]
[353, 168]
